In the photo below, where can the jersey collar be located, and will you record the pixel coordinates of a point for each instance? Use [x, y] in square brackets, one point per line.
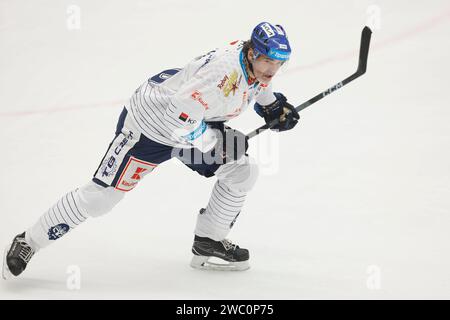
[249, 80]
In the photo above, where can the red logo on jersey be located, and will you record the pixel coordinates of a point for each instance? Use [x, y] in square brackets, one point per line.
[136, 175]
[196, 95]
[183, 117]
[134, 171]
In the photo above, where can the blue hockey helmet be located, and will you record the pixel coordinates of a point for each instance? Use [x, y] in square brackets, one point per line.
[271, 40]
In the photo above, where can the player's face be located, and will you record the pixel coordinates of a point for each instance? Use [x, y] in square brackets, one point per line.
[264, 68]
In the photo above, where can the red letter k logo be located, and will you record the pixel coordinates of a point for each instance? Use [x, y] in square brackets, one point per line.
[136, 175]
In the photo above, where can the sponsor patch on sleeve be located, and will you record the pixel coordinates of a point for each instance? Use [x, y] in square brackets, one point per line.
[183, 117]
[197, 96]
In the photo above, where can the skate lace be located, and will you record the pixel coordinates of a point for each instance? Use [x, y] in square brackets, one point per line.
[26, 252]
[228, 244]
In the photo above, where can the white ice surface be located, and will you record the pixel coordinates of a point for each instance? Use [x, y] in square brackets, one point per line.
[363, 181]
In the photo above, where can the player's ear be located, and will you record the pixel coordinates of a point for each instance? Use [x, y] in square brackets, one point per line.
[250, 56]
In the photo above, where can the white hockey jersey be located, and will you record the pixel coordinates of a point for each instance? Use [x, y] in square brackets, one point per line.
[174, 106]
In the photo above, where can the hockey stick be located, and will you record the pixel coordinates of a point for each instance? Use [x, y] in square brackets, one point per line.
[362, 66]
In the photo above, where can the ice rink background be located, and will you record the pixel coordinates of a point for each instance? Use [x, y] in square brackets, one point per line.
[353, 203]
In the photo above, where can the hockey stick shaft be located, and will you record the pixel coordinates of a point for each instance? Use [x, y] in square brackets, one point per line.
[362, 67]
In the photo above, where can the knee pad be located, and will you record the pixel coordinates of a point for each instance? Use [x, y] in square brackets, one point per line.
[98, 200]
[240, 175]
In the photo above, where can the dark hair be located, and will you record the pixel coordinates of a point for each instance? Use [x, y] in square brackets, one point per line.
[246, 46]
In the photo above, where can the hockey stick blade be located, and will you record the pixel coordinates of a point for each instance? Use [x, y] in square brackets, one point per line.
[364, 50]
[366, 34]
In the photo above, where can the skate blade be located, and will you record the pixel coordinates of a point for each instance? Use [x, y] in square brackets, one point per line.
[203, 263]
[6, 274]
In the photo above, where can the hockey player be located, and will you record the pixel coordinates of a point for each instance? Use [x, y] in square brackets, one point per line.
[182, 113]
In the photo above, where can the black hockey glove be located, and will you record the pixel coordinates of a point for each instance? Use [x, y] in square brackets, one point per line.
[279, 109]
[231, 144]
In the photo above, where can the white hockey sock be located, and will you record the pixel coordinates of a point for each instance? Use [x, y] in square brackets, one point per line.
[65, 215]
[223, 208]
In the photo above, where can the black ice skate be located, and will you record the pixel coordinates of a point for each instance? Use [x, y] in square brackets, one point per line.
[16, 257]
[206, 248]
